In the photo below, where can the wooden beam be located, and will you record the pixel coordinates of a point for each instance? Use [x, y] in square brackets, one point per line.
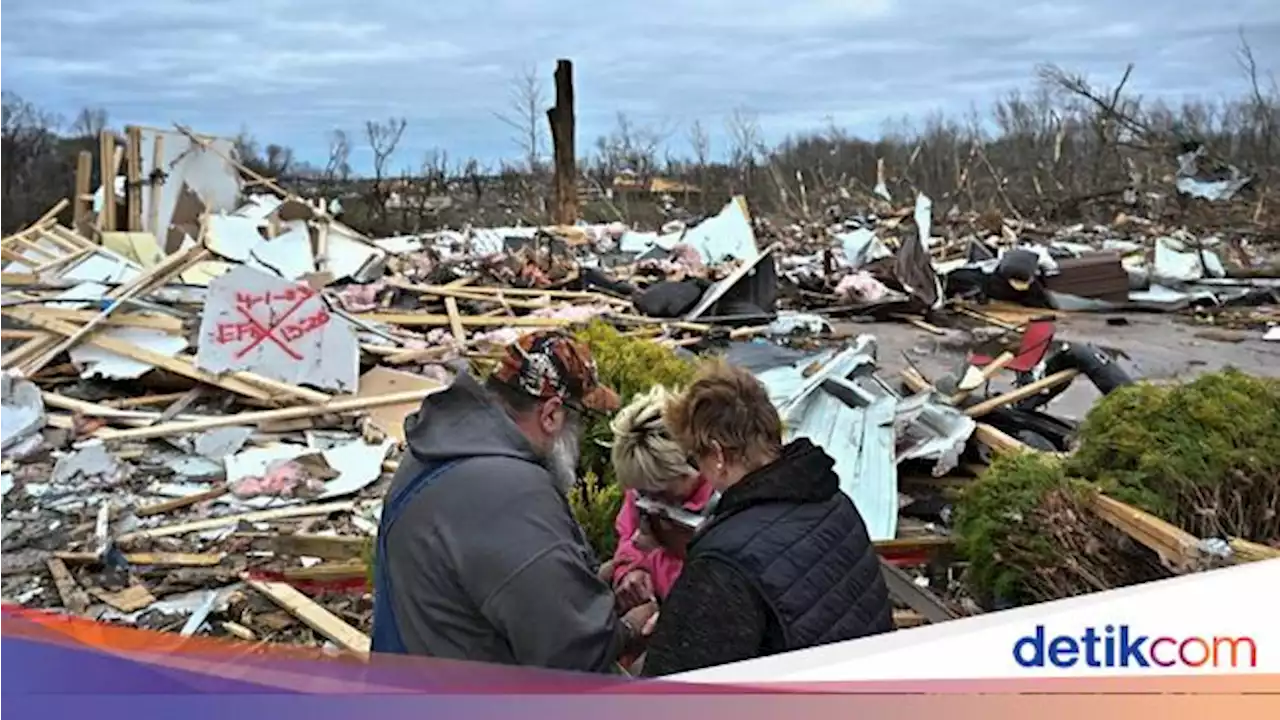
[329, 547]
[107, 169]
[1021, 393]
[133, 178]
[329, 572]
[428, 319]
[167, 506]
[1177, 548]
[335, 407]
[153, 189]
[232, 520]
[311, 613]
[153, 276]
[82, 203]
[158, 559]
[72, 595]
[179, 365]
[455, 320]
[561, 118]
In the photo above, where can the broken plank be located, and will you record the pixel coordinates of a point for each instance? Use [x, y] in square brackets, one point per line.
[455, 320]
[231, 520]
[1021, 393]
[130, 599]
[329, 572]
[178, 503]
[258, 417]
[72, 595]
[237, 382]
[157, 559]
[328, 547]
[311, 613]
[1246, 551]
[154, 322]
[1177, 548]
[431, 320]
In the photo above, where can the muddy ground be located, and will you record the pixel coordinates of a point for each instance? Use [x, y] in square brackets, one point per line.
[1154, 347]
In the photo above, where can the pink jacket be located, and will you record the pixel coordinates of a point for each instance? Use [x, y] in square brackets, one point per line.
[663, 566]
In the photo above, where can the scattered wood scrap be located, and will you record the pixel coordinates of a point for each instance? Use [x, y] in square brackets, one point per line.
[313, 615]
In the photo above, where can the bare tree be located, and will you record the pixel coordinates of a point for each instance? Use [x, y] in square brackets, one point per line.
[383, 138]
[1264, 106]
[338, 167]
[89, 123]
[700, 143]
[474, 175]
[745, 143]
[37, 170]
[524, 115]
[630, 147]
[278, 160]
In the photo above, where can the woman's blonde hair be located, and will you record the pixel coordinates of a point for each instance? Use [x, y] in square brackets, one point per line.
[645, 455]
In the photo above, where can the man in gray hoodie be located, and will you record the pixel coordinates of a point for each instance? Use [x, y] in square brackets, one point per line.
[479, 557]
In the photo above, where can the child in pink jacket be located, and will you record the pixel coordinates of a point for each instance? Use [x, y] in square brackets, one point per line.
[648, 462]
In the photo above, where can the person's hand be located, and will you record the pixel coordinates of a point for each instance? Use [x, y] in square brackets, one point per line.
[650, 625]
[635, 588]
[637, 618]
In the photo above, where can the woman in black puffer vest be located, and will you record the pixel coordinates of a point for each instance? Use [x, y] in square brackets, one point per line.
[785, 562]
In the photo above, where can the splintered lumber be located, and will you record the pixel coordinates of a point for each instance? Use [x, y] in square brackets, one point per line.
[178, 503]
[330, 572]
[328, 547]
[428, 319]
[130, 599]
[242, 382]
[159, 559]
[258, 417]
[133, 178]
[455, 320]
[154, 322]
[1177, 548]
[311, 613]
[988, 372]
[908, 619]
[72, 595]
[1022, 393]
[1246, 551]
[230, 520]
[107, 171]
[154, 275]
[999, 441]
[82, 203]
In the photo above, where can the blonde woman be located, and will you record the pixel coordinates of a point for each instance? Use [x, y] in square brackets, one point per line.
[658, 477]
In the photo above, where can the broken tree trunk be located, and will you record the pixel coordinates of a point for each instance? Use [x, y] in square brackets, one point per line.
[565, 209]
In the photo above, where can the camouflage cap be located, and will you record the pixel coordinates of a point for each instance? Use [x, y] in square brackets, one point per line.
[552, 364]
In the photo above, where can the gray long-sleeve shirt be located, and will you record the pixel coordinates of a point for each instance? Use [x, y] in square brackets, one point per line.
[488, 563]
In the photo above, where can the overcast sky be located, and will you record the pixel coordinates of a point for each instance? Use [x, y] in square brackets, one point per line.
[293, 70]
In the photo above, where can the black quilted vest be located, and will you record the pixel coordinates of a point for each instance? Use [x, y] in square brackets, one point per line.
[803, 545]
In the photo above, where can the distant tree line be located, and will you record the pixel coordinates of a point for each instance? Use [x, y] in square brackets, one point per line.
[1064, 149]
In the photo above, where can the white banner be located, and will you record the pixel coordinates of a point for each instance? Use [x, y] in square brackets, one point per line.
[1218, 622]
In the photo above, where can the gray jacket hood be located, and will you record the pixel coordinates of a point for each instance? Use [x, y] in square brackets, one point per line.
[463, 421]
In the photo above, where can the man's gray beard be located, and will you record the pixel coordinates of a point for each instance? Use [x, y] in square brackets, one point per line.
[562, 461]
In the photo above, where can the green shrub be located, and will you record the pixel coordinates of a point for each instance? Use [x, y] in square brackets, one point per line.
[1204, 455]
[995, 520]
[630, 366]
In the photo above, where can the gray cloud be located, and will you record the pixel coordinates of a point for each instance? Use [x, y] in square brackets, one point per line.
[292, 70]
